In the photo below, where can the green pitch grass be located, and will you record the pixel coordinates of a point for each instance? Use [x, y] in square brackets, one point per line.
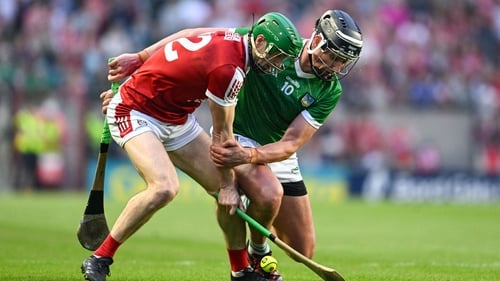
[364, 242]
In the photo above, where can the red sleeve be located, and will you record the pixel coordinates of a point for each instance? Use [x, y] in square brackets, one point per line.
[224, 84]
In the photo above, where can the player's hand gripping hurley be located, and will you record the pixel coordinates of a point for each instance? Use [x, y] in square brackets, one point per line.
[93, 227]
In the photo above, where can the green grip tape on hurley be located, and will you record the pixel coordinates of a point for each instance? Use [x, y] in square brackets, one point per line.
[106, 135]
[114, 87]
[252, 222]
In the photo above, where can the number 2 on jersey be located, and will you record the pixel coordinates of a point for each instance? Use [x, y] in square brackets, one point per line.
[171, 54]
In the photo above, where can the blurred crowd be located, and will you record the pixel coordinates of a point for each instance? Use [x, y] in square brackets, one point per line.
[418, 55]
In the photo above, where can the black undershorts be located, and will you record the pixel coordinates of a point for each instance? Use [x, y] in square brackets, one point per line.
[294, 188]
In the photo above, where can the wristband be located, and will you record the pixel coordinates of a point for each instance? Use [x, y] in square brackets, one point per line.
[253, 155]
[143, 55]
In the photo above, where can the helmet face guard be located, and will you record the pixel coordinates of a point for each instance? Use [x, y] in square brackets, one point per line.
[340, 45]
[331, 60]
[282, 41]
[271, 59]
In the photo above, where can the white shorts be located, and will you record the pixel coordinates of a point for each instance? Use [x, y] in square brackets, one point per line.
[125, 127]
[286, 171]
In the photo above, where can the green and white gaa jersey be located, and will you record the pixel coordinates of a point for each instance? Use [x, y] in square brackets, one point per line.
[268, 103]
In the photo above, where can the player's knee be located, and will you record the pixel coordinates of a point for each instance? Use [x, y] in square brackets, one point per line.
[166, 195]
[162, 194]
[270, 199]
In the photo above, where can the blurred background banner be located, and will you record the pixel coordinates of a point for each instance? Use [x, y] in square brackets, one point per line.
[335, 184]
[418, 120]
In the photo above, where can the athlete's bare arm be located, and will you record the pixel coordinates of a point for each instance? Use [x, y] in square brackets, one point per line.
[232, 153]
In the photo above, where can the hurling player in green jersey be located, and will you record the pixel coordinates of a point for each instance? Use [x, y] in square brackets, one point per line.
[275, 116]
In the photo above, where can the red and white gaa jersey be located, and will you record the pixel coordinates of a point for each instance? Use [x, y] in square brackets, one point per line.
[175, 80]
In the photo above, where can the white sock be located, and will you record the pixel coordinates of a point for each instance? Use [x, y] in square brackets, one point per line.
[258, 249]
[237, 273]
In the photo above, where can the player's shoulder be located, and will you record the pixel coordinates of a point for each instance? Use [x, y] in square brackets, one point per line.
[229, 47]
[227, 42]
[330, 90]
[228, 35]
[222, 38]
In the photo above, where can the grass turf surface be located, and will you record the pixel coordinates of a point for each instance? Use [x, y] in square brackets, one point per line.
[364, 242]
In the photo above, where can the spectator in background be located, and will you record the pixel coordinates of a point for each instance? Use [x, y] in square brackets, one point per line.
[28, 146]
[427, 159]
[50, 168]
[38, 140]
[93, 127]
[400, 149]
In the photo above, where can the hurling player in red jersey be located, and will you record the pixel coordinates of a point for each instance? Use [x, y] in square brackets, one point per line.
[330, 53]
[151, 119]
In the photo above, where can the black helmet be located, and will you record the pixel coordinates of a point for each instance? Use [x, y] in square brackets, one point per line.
[341, 40]
[341, 32]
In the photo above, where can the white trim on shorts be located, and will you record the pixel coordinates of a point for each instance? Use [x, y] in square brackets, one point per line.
[172, 136]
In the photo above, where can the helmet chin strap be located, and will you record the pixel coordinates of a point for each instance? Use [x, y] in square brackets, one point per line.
[310, 54]
[251, 46]
[253, 64]
[314, 69]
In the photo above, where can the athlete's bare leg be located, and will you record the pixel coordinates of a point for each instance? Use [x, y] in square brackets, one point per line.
[194, 160]
[294, 224]
[152, 162]
[264, 190]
